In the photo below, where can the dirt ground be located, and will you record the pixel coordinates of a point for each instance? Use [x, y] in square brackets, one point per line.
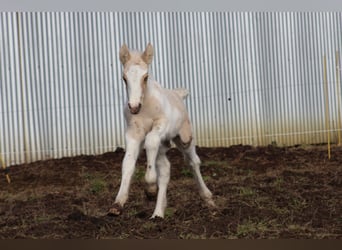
[261, 192]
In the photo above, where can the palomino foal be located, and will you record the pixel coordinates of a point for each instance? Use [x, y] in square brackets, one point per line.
[154, 117]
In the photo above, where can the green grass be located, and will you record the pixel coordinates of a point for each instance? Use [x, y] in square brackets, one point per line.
[97, 185]
[296, 227]
[278, 183]
[186, 172]
[214, 163]
[251, 227]
[206, 177]
[169, 212]
[298, 203]
[281, 210]
[192, 236]
[149, 225]
[87, 176]
[94, 183]
[246, 191]
[139, 173]
[42, 218]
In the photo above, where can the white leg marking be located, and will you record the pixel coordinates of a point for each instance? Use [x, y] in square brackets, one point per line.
[163, 168]
[128, 167]
[152, 144]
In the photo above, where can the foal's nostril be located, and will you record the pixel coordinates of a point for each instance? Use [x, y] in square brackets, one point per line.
[134, 110]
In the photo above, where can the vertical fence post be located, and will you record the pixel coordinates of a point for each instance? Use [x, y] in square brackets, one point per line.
[338, 95]
[2, 163]
[327, 125]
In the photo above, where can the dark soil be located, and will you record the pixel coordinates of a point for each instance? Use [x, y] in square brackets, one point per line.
[261, 192]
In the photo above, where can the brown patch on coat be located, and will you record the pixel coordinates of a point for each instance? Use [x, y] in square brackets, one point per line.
[185, 133]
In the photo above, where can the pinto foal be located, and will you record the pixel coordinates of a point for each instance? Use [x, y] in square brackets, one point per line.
[154, 117]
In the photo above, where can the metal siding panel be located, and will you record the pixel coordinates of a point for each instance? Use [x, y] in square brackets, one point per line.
[254, 78]
[11, 144]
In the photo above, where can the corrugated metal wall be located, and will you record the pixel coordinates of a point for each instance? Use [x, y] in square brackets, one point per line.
[254, 78]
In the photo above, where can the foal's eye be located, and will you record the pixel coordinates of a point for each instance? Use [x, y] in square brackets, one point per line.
[146, 78]
[124, 79]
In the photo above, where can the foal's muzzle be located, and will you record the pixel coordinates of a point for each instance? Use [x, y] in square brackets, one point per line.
[134, 110]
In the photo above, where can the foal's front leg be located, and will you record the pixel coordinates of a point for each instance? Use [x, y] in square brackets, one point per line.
[152, 144]
[128, 166]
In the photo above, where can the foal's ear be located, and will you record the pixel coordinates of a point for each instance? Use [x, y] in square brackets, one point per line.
[148, 54]
[124, 54]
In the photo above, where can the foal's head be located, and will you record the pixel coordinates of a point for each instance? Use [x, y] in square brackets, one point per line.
[135, 74]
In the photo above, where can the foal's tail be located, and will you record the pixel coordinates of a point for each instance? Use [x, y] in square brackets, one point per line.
[183, 93]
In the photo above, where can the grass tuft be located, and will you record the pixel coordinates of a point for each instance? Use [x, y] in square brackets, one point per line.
[97, 186]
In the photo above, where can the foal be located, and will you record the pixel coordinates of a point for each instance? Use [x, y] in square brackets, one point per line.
[154, 117]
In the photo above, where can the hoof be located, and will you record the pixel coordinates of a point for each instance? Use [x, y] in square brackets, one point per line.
[211, 203]
[151, 196]
[115, 210]
[156, 218]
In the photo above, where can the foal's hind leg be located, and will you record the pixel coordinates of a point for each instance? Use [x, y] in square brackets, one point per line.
[194, 161]
[163, 172]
